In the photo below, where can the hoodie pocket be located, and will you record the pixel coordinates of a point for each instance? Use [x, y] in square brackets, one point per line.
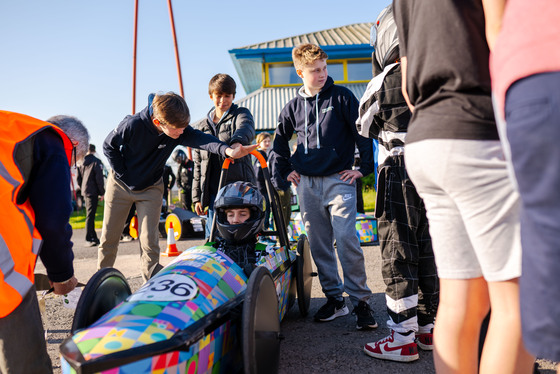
[317, 162]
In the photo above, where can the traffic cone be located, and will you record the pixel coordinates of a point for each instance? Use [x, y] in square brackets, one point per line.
[171, 246]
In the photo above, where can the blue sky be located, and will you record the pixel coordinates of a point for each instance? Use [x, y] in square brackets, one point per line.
[75, 57]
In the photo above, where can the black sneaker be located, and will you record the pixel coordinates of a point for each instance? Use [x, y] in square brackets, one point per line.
[364, 316]
[333, 308]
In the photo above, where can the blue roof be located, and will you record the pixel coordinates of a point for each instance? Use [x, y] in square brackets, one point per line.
[350, 41]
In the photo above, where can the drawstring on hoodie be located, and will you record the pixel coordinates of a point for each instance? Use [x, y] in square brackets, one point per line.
[316, 122]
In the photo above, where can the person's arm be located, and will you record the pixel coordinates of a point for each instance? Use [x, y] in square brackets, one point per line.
[195, 138]
[403, 84]
[98, 171]
[50, 196]
[493, 15]
[280, 153]
[240, 150]
[112, 147]
[244, 128]
[402, 22]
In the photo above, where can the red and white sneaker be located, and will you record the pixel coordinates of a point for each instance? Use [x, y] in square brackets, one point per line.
[392, 348]
[425, 341]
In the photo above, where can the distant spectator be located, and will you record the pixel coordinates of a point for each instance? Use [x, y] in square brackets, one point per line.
[284, 189]
[184, 177]
[168, 183]
[90, 180]
[264, 142]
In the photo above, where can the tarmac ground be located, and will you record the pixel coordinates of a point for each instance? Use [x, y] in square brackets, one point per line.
[308, 347]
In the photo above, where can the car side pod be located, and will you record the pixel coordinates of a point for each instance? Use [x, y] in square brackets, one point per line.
[106, 289]
[304, 275]
[260, 324]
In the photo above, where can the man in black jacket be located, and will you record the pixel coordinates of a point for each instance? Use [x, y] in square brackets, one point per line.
[90, 180]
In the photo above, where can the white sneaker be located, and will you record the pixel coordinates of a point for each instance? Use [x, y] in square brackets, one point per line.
[392, 348]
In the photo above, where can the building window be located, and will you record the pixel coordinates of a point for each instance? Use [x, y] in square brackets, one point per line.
[336, 71]
[282, 74]
[359, 70]
[341, 71]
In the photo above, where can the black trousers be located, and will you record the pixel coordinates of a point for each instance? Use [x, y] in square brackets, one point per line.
[408, 268]
[91, 208]
[185, 196]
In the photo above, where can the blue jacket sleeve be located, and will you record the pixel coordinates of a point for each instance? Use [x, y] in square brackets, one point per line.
[50, 197]
[112, 147]
[98, 170]
[195, 138]
[281, 146]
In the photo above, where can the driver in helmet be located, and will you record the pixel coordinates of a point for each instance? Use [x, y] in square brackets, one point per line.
[239, 208]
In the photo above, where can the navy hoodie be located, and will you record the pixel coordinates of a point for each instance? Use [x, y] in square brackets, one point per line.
[326, 134]
[137, 152]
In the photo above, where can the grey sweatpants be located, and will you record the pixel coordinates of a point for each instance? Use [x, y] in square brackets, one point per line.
[328, 208]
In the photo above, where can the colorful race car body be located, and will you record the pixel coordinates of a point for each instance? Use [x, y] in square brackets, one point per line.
[199, 314]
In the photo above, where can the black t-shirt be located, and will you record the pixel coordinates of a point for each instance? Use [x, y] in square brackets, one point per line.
[448, 77]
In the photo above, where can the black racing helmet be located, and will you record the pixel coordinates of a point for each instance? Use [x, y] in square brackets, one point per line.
[385, 40]
[179, 156]
[239, 195]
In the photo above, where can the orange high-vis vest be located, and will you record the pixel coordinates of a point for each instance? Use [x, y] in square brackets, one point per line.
[19, 240]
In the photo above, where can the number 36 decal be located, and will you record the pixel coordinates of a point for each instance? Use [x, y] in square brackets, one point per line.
[168, 287]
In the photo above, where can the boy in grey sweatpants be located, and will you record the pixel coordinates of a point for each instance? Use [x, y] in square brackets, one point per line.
[323, 116]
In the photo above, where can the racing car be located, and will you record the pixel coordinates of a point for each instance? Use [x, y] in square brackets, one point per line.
[199, 314]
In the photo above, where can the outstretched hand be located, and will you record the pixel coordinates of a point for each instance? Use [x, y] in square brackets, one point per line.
[238, 151]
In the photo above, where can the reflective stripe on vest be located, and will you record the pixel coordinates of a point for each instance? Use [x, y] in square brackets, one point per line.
[20, 242]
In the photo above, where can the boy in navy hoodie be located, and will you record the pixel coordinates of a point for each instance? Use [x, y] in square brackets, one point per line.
[137, 150]
[323, 116]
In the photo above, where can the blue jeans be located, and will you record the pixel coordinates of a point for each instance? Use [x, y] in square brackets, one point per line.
[533, 131]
